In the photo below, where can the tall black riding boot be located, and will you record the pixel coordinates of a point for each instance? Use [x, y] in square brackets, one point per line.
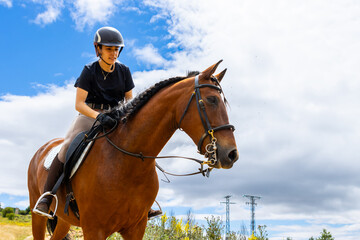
[154, 213]
[55, 172]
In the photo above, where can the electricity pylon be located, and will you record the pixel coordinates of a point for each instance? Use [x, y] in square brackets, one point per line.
[227, 215]
[253, 204]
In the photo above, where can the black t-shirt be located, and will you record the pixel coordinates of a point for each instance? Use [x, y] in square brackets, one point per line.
[110, 91]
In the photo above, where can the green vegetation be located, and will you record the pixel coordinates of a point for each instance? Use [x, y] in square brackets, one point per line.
[164, 228]
[16, 219]
[7, 211]
[262, 233]
[325, 235]
[169, 227]
[173, 228]
[8, 216]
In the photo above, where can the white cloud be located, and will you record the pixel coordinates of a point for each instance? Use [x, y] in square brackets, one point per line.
[58, 74]
[22, 204]
[157, 17]
[53, 11]
[28, 123]
[89, 12]
[293, 86]
[83, 12]
[133, 9]
[7, 3]
[49, 16]
[149, 55]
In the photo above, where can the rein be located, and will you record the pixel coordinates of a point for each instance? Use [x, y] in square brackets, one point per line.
[211, 148]
[204, 172]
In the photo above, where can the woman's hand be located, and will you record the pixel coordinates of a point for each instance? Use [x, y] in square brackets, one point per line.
[106, 121]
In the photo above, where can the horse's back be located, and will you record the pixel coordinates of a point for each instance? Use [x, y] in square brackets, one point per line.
[36, 172]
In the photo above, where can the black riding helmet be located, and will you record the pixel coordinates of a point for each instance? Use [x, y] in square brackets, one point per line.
[108, 36]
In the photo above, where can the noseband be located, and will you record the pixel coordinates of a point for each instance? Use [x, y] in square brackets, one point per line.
[211, 148]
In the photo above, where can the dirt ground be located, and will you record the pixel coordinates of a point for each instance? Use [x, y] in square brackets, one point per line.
[15, 232]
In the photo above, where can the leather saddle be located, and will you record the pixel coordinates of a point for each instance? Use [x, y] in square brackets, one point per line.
[75, 155]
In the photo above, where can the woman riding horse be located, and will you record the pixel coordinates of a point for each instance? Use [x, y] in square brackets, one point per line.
[114, 188]
[100, 87]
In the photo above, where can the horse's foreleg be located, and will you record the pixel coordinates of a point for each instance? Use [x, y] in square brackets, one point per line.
[61, 230]
[136, 232]
[38, 227]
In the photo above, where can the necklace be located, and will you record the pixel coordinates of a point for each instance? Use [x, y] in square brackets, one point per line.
[105, 75]
[112, 68]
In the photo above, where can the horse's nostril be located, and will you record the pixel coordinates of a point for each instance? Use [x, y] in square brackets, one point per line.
[233, 155]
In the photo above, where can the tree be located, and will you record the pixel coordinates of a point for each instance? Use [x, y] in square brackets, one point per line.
[325, 235]
[7, 210]
[22, 212]
[27, 210]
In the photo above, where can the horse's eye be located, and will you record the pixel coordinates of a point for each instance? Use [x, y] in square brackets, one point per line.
[212, 100]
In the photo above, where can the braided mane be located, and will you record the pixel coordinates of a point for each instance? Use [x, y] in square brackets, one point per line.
[125, 111]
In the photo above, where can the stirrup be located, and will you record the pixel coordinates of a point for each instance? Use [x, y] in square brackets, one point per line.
[158, 215]
[43, 213]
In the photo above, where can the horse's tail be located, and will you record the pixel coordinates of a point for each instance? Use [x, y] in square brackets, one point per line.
[51, 225]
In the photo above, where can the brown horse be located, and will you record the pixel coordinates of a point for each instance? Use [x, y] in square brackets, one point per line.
[115, 191]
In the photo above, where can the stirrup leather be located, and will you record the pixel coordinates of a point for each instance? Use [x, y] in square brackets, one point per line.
[43, 213]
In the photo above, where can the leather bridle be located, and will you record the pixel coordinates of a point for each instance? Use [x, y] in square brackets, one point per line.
[210, 148]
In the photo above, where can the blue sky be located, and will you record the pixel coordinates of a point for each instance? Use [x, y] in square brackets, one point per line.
[54, 53]
[292, 83]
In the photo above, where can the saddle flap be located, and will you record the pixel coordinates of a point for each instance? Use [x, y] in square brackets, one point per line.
[74, 145]
[76, 153]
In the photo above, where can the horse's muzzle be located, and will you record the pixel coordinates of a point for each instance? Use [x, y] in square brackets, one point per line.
[226, 157]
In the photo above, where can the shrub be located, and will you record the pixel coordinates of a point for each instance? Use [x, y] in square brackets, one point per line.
[263, 234]
[214, 229]
[325, 235]
[27, 210]
[10, 216]
[23, 212]
[7, 210]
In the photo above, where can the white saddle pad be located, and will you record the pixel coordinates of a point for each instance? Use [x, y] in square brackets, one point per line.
[51, 155]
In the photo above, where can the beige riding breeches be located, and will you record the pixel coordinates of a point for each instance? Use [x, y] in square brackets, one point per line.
[80, 124]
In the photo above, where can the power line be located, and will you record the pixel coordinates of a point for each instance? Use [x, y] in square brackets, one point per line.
[253, 204]
[227, 214]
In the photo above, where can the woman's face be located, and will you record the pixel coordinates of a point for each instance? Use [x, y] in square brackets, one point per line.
[109, 54]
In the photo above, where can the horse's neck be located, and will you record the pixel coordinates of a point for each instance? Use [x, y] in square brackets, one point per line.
[150, 129]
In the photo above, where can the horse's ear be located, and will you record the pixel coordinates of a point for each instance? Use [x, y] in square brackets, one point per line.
[210, 71]
[221, 75]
